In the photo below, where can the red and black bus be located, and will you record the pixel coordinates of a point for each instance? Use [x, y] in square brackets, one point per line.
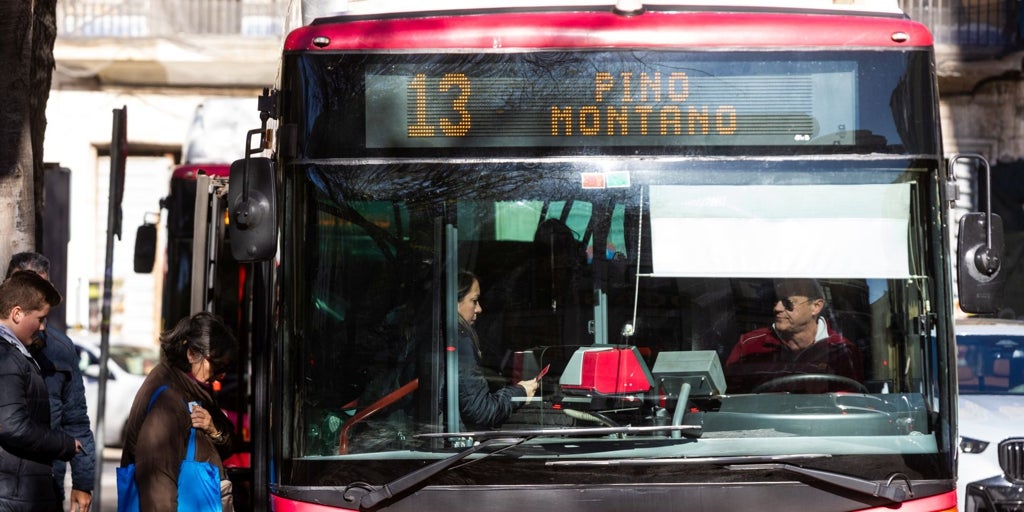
[630, 183]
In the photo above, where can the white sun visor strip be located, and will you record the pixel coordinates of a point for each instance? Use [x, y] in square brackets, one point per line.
[821, 231]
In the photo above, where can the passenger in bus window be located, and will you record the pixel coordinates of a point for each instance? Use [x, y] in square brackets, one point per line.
[479, 407]
[798, 352]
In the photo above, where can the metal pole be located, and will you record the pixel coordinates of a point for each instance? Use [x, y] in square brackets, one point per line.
[117, 154]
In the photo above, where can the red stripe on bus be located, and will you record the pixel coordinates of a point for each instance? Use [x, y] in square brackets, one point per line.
[188, 172]
[606, 30]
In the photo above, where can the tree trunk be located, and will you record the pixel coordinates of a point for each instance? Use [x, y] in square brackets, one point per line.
[27, 33]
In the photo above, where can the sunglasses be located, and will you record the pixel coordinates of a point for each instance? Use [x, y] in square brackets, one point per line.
[789, 304]
[218, 369]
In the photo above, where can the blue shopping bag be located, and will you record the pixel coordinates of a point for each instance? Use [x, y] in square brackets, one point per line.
[198, 482]
[127, 491]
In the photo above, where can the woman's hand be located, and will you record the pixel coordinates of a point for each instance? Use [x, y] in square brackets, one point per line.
[203, 420]
[530, 386]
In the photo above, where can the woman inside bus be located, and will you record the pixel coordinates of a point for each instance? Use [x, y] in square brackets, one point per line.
[194, 353]
[478, 406]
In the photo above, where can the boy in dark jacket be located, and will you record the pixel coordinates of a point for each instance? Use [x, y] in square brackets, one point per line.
[28, 445]
[58, 360]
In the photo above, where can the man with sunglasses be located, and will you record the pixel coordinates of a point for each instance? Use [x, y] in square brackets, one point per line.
[799, 352]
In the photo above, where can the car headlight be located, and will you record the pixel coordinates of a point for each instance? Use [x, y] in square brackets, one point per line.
[969, 445]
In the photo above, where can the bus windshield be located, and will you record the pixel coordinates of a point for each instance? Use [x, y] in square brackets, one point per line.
[732, 253]
[631, 280]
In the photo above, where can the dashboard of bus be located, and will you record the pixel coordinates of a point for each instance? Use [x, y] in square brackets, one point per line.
[654, 294]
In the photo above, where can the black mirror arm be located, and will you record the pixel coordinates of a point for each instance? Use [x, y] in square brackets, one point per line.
[267, 107]
[986, 260]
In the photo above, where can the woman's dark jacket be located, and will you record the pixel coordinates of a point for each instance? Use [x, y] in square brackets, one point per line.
[479, 407]
[156, 441]
[28, 446]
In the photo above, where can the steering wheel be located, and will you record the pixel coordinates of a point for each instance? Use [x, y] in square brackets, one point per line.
[805, 378]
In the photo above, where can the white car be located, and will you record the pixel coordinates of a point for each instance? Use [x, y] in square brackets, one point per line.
[990, 373]
[122, 384]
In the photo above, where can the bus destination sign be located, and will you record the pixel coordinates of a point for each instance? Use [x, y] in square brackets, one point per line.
[601, 104]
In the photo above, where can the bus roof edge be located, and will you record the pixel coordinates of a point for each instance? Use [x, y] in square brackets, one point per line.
[313, 9]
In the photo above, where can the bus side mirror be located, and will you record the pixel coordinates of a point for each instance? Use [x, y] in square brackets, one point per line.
[145, 248]
[252, 224]
[980, 272]
[980, 249]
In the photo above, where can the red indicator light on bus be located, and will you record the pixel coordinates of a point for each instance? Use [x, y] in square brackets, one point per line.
[593, 180]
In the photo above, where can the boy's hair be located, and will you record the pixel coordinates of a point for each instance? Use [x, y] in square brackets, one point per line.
[28, 290]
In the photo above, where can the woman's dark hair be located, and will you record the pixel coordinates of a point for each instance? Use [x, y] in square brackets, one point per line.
[206, 335]
[466, 279]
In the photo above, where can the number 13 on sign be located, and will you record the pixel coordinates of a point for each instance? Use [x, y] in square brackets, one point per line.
[459, 124]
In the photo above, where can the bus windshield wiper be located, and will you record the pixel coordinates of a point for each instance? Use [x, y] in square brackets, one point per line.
[693, 430]
[392, 490]
[500, 439]
[672, 461]
[896, 489]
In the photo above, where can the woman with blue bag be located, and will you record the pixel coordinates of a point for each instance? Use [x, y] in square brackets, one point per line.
[176, 434]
